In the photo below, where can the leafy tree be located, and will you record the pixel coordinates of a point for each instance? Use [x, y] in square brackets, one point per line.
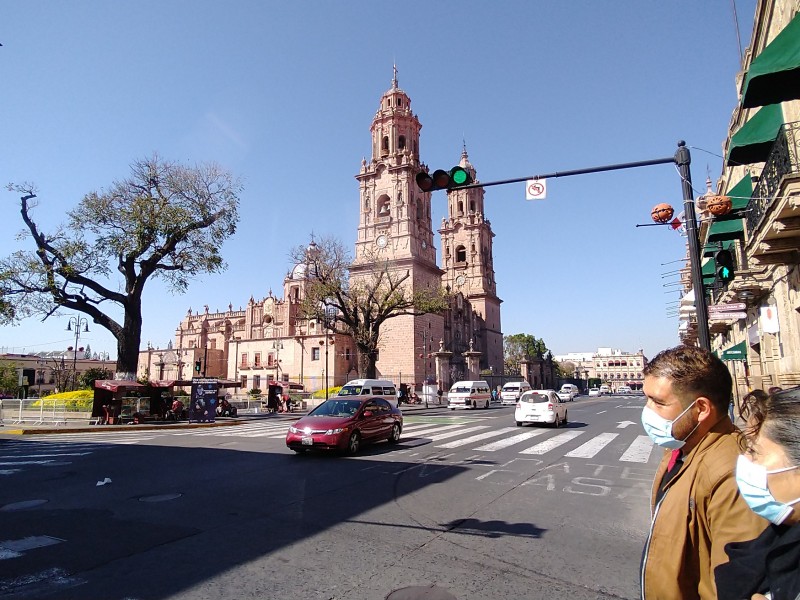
[520, 347]
[89, 376]
[165, 220]
[9, 377]
[361, 303]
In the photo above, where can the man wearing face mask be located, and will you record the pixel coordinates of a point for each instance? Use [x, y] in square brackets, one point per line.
[696, 506]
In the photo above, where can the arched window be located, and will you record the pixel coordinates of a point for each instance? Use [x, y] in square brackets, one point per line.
[385, 144]
[461, 254]
[419, 211]
[472, 206]
[460, 207]
[401, 142]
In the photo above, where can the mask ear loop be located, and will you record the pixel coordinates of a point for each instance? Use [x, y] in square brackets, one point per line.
[685, 410]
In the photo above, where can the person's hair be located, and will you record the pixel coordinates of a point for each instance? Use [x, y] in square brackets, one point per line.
[751, 404]
[777, 416]
[694, 372]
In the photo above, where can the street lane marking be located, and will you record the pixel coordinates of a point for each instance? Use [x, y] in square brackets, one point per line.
[417, 430]
[478, 437]
[449, 434]
[593, 446]
[553, 442]
[514, 439]
[639, 450]
[601, 412]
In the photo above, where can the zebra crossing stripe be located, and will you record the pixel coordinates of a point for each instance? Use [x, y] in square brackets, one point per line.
[478, 437]
[553, 442]
[639, 450]
[449, 434]
[593, 446]
[416, 430]
[514, 439]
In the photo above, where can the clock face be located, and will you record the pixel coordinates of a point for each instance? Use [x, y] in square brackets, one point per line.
[460, 280]
[381, 241]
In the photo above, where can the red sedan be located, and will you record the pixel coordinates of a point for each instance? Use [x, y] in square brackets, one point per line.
[344, 424]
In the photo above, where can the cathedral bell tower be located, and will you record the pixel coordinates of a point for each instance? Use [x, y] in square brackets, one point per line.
[395, 231]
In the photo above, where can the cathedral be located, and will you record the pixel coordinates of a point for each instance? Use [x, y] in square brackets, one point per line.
[267, 341]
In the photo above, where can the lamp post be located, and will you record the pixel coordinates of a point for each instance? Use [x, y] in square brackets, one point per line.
[328, 319]
[425, 365]
[40, 362]
[277, 345]
[79, 322]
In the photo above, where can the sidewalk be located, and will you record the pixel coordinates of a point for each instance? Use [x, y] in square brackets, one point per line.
[83, 426]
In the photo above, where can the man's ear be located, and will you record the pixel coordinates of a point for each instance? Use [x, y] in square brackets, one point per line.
[705, 408]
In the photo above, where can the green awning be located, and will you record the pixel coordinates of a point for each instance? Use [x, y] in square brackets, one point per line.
[774, 75]
[737, 352]
[753, 141]
[726, 230]
[740, 193]
[709, 269]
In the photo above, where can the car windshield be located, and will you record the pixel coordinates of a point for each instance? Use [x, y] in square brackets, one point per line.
[336, 408]
[350, 390]
[460, 390]
[535, 398]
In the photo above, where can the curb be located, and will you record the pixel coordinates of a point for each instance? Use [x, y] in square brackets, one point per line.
[114, 428]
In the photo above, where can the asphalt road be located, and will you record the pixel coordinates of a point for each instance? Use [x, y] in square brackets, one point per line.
[463, 507]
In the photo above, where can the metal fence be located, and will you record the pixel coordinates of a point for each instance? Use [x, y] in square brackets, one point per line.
[35, 412]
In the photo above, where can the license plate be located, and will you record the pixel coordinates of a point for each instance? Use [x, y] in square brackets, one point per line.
[307, 441]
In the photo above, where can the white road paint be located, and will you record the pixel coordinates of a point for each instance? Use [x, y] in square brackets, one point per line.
[514, 439]
[593, 446]
[478, 437]
[639, 450]
[449, 434]
[553, 442]
[624, 424]
[601, 412]
[16, 548]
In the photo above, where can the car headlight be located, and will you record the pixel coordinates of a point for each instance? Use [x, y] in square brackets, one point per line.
[293, 429]
[335, 431]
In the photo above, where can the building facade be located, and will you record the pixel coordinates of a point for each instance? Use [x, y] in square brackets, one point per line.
[613, 367]
[266, 341]
[44, 373]
[754, 319]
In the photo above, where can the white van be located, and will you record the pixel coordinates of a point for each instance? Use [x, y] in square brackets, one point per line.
[513, 390]
[376, 388]
[469, 394]
[604, 389]
[571, 390]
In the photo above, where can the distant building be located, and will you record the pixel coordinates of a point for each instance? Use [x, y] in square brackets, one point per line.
[56, 371]
[612, 366]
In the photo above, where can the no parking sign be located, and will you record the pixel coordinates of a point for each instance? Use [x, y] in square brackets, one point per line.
[536, 189]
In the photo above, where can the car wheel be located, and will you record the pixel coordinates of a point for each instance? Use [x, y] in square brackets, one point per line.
[519, 423]
[394, 437]
[565, 417]
[487, 404]
[474, 405]
[557, 422]
[299, 450]
[353, 443]
[452, 409]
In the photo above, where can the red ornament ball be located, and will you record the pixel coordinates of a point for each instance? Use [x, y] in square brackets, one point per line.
[662, 213]
[719, 205]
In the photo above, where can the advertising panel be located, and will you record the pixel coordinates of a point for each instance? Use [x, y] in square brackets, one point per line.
[203, 405]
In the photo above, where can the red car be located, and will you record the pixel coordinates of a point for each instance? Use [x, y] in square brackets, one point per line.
[344, 424]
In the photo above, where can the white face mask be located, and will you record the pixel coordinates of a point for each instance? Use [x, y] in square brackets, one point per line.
[660, 429]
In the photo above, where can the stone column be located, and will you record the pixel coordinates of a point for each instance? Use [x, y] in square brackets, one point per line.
[473, 362]
[443, 368]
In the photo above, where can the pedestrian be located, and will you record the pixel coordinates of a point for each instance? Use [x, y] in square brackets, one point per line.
[768, 476]
[696, 506]
[439, 396]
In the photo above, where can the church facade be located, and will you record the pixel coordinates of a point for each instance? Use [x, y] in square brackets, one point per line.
[266, 340]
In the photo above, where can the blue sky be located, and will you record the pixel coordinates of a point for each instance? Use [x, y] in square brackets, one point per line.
[282, 94]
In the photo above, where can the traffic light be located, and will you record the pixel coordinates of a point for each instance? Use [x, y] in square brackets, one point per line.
[443, 180]
[198, 365]
[723, 259]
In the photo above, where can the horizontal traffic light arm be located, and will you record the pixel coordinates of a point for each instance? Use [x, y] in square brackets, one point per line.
[600, 169]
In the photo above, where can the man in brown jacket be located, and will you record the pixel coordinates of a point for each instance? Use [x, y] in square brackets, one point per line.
[696, 507]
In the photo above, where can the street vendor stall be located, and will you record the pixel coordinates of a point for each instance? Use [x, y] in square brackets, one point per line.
[107, 406]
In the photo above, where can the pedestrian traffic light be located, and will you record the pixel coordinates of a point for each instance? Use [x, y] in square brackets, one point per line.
[440, 180]
[723, 259]
[198, 365]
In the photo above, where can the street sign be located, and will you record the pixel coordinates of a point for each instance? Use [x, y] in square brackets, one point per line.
[731, 306]
[725, 316]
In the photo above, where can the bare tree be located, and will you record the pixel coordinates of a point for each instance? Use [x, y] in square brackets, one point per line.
[361, 304]
[165, 220]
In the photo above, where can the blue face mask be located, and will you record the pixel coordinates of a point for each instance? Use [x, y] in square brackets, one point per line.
[752, 481]
[660, 429]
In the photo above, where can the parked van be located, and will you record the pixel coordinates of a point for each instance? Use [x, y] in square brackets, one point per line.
[376, 388]
[469, 394]
[604, 389]
[513, 390]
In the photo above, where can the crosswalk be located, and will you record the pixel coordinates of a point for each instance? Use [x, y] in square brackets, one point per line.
[626, 447]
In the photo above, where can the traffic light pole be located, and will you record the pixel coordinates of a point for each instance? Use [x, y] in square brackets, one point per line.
[682, 160]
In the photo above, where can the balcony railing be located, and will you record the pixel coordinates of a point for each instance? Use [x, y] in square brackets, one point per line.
[783, 160]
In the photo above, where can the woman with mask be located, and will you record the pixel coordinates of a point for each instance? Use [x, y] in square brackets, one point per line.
[768, 476]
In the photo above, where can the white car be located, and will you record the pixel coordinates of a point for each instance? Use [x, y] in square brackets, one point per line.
[565, 395]
[594, 392]
[540, 406]
[623, 389]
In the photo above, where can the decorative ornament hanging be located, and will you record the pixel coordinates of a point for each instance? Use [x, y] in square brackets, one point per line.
[719, 205]
[662, 213]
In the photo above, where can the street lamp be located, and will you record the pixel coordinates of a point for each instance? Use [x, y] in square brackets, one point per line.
[425, 365]
[41, 363]
[79, 322]
[277, 345]
[328, 320]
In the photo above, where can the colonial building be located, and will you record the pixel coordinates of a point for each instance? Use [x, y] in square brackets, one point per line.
[266, 340]
[753, 318]
[612, 366]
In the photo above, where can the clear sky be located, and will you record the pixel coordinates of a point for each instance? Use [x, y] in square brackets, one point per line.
[283, 93]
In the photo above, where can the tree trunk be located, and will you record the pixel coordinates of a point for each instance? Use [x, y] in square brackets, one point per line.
[128, 340]
[366, 362]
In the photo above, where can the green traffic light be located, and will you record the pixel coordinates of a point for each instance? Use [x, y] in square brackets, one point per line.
[459, 176]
